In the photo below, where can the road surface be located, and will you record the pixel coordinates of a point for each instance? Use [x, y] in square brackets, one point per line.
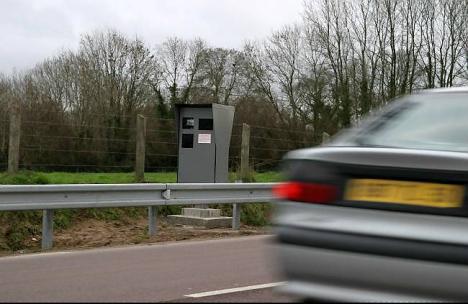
[225, 270]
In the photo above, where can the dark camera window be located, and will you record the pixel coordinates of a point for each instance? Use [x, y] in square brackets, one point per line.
[188, 123]
[205, 124]
[187, 141]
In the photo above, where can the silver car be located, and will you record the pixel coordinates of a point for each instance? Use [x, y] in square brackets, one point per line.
[381, 212]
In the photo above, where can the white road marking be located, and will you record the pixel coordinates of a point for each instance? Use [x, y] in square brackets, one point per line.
[232, 290]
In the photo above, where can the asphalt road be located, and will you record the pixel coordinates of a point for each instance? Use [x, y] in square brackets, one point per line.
[149, 273]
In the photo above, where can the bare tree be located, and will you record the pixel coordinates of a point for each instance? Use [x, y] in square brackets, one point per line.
[331, 19]
[220, 73]
[443, 27]
[180, 62]
[314, 87]
[283, 55]
[4, 90]
[365, 47]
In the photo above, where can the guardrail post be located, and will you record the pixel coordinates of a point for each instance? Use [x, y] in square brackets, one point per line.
[14, 140]
[236, 214]
[245, 147]
[152, 220]
[140, 149]
[47, 229]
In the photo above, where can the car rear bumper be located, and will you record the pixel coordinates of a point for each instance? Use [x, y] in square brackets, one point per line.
[375, 245]
[335, 274]
[361, 253]
[329, 292]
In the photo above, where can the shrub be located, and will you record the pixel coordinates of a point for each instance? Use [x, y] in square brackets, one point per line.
[24, 178]
[20, 226]
[256, 214]
[236, 176]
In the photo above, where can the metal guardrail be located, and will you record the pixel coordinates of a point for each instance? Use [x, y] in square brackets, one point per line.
[50, 197]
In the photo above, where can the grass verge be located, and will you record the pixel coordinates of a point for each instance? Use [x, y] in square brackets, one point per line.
[22, 229]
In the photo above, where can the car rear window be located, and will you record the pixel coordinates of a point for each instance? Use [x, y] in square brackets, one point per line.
[425, 121]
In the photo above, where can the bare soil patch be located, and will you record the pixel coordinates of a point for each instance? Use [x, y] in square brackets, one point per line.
[92, 233]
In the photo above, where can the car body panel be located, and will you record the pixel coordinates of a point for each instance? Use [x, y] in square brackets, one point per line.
[410, 278]
[376, 223]
[370, 278]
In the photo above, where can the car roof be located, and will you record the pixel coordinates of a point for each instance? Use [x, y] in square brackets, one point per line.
[463, 89]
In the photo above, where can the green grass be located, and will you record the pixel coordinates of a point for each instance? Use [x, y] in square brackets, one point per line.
[268, 177]
[109, 178]
[23, 178]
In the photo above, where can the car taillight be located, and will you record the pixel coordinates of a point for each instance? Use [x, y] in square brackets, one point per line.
[306, 192]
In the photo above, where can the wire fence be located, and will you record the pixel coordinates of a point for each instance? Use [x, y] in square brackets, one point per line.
[110, 146]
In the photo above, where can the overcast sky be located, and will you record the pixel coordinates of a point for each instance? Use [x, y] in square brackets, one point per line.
[31, 30]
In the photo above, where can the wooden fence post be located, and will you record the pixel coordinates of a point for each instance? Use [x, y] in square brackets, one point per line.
[245, 147]
[14, 140]
[140, 149]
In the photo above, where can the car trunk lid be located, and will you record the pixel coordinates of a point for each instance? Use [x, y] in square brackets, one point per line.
[414, 181]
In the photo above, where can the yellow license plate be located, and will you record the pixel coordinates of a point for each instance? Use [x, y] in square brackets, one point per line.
[406, 193]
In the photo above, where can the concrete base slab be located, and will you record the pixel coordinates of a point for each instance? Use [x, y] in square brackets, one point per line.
[211, 222]
[201, 212]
